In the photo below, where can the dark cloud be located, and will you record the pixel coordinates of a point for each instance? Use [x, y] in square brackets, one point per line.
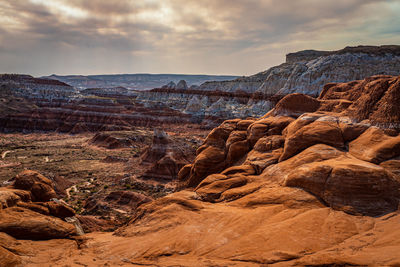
[208, 36]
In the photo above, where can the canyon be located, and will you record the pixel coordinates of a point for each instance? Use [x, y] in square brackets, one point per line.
[298, 165]
[313, 182]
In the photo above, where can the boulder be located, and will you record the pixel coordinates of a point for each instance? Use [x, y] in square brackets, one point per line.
[59, 210]
[295, 105]
[349, 184]
[40, 187]
[210, 160]
[8, 198]
[317, 132]
[375, 146]
[23, 223]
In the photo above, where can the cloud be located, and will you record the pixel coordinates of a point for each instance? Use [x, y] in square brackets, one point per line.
[182, 36]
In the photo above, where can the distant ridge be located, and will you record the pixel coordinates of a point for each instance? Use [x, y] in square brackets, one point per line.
[307, 71]
[135, 81]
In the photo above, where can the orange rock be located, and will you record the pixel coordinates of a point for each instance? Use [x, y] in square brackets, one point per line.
[237, 151]
[9, 259]
[375, 146]
[244, 124]
[211, 191]
[318, 132]
[34, 207]
[26, 224]
[315, 153]
[295, 105]
[59, 210]
[40, 187]
[210, 160]
[392, 165]
[235, 136]
[349, 184]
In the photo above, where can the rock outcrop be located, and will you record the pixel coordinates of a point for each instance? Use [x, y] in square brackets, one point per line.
[308, 71]
[165, 157]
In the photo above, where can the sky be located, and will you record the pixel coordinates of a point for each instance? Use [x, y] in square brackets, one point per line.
[238, 37]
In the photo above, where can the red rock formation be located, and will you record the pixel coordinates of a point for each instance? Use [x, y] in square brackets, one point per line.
[27, 212]
[165, 157]
[295, 198]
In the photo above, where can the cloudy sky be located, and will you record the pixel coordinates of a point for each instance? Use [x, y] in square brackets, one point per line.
[240, 37]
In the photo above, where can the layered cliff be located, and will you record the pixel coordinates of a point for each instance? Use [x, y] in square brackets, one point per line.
[307, 71]
[208, 106]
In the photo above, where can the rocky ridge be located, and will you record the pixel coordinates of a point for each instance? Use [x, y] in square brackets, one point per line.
[304, 72]
[307, 71]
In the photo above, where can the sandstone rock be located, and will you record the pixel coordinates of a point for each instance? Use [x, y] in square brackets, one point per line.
[212, 190]
[184, 172]
[269, 143]
[59, 210]
[210, 160]
[295, 105]
[256, 131]
[375, 146]
[261, 160]
[392, 165]
[244, 124]
[9, 259]
[8, 198]
[349, 184]
[94, 224]
[36, 207]
[236, 151]
[318, 132]
[267, 126]
[241, 169]
[39, 186]
[26, 224]
[316, 153]
[234, 137]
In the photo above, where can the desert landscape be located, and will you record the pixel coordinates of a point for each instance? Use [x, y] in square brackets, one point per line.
[295, 165]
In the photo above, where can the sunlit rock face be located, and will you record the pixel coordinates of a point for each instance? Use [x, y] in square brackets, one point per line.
[307, 71]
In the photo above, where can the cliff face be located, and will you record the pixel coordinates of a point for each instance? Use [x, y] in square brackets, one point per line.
[201, 105]
[307, 71]
[29, 87]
